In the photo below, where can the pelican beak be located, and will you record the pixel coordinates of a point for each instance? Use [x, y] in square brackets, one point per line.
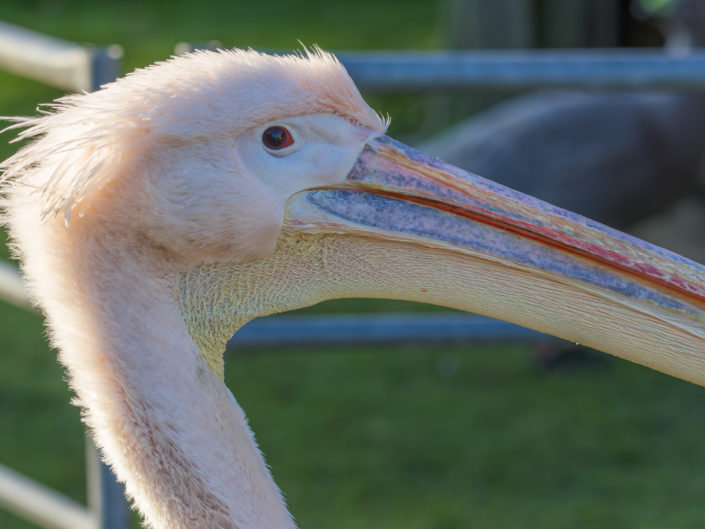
[555, 259]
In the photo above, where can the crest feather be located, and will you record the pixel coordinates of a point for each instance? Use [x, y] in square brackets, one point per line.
[78, 143]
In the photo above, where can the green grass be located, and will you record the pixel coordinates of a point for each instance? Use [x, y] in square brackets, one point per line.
[453, 436]
[397, 437]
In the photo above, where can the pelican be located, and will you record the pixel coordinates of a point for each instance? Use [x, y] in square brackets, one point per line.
[155, 217]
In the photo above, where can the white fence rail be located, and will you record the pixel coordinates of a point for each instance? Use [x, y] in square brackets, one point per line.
[41, 505]
[57, 62]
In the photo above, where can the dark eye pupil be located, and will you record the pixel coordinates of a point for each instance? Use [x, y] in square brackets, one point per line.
[276, 138]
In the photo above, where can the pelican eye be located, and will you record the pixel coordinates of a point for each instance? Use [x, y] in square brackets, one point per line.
[277, 138]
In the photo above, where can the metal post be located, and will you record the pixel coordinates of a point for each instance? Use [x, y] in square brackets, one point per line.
[74, 67]
[106, 65]
[106, 496]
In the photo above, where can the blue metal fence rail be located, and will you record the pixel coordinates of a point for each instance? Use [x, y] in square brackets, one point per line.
[366, 329]
[613, 69]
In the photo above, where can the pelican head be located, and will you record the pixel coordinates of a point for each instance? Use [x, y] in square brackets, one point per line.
[158, 215]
